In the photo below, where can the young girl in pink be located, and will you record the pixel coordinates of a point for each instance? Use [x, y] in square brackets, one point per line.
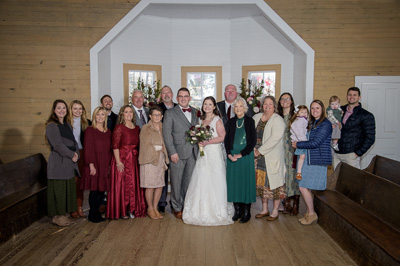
[298, 130]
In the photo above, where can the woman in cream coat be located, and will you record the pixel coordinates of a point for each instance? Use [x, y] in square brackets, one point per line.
[153, 160]
[269, 157]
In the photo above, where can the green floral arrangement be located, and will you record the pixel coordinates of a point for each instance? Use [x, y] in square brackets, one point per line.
[151, 92]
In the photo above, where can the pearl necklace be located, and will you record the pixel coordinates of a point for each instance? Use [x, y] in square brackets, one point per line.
[240, 125]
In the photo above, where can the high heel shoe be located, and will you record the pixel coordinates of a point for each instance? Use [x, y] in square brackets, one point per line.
[152, 214]
[158, 214]
[80, 212]
[303, 218]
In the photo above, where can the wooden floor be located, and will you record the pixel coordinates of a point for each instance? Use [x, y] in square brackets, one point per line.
[169, 241]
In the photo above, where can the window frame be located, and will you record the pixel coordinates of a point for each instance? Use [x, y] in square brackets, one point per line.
[141, 67]
[205, 69]
[264, 68]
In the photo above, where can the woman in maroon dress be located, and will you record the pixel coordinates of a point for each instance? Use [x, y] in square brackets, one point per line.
[97, 151]
[126, 197]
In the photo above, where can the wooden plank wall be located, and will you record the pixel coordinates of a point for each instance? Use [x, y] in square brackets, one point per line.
[44, 53]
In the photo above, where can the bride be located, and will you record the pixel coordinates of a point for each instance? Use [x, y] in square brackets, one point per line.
[206, 201]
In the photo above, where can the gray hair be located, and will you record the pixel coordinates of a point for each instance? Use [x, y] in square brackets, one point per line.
[272, 98]
[240, 99]
[135, 90]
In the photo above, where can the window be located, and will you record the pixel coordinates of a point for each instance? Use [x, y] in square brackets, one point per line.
[267, 75]
[201, 85]
[202, 82]
[148, 74]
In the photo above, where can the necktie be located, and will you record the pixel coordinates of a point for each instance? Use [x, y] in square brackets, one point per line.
[187, 110]
[229, 112]
[142, 117]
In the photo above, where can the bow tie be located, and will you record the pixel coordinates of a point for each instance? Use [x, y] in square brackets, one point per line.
[187, 110]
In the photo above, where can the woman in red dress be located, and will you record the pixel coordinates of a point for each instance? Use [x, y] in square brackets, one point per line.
[126, 197]
[97, 151]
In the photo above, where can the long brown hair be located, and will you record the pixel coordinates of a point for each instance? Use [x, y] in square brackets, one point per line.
[215, 111]
[321, 119]
[70, 119]
[295, 115]
[280, 109]
[53, 117]
[120, 119]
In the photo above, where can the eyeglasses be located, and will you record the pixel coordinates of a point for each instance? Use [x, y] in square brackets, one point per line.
[186, 96]
[285, 99]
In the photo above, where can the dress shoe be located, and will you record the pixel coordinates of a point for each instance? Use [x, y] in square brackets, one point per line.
[310, 219]
[161, 208]
[178, 214]
[270, 218]
[261, 215]
[158, 214]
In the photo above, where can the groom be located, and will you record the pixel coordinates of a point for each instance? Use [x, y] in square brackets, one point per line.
[176, 122]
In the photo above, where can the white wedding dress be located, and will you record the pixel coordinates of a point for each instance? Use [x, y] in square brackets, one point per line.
[206, 201]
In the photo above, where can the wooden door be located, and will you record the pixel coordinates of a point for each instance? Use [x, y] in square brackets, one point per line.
[381, 96]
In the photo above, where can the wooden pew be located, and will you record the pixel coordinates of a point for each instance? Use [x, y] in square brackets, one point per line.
[23, 185]
[385, 168]
[362, 214]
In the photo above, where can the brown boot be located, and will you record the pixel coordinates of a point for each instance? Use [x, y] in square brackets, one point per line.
[287, 205]
[295, 209]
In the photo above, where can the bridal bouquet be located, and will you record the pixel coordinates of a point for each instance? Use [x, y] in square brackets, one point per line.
[197, 134]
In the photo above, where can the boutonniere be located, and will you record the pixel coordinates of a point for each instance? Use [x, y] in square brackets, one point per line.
[198, 113]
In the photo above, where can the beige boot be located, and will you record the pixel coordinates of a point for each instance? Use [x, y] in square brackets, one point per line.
[310, 219]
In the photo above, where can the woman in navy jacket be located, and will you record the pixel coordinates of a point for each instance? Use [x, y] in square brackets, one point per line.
[318, 157]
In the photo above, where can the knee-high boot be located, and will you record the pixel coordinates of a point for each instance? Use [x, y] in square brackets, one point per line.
[296, 203]
[246, 215]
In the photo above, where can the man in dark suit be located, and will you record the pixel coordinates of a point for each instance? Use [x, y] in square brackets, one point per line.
[107, 102]
[167, 103]
[142, 113]
[225, 107]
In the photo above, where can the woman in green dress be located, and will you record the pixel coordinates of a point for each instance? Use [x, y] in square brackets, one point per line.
[286, 111]
[240, 141]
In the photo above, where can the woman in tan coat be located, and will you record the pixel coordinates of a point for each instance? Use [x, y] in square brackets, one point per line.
[269, 157]
[153, 159]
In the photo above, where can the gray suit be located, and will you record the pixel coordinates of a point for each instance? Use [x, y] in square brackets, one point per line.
[138, 120]
[175, 125]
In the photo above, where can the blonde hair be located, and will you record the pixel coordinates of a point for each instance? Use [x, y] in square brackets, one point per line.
[95, 112]
[121, 120]
[294, 116]
[334, 98]
[70, 118]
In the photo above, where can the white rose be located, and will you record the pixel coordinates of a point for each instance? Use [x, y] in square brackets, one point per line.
[256, 109]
